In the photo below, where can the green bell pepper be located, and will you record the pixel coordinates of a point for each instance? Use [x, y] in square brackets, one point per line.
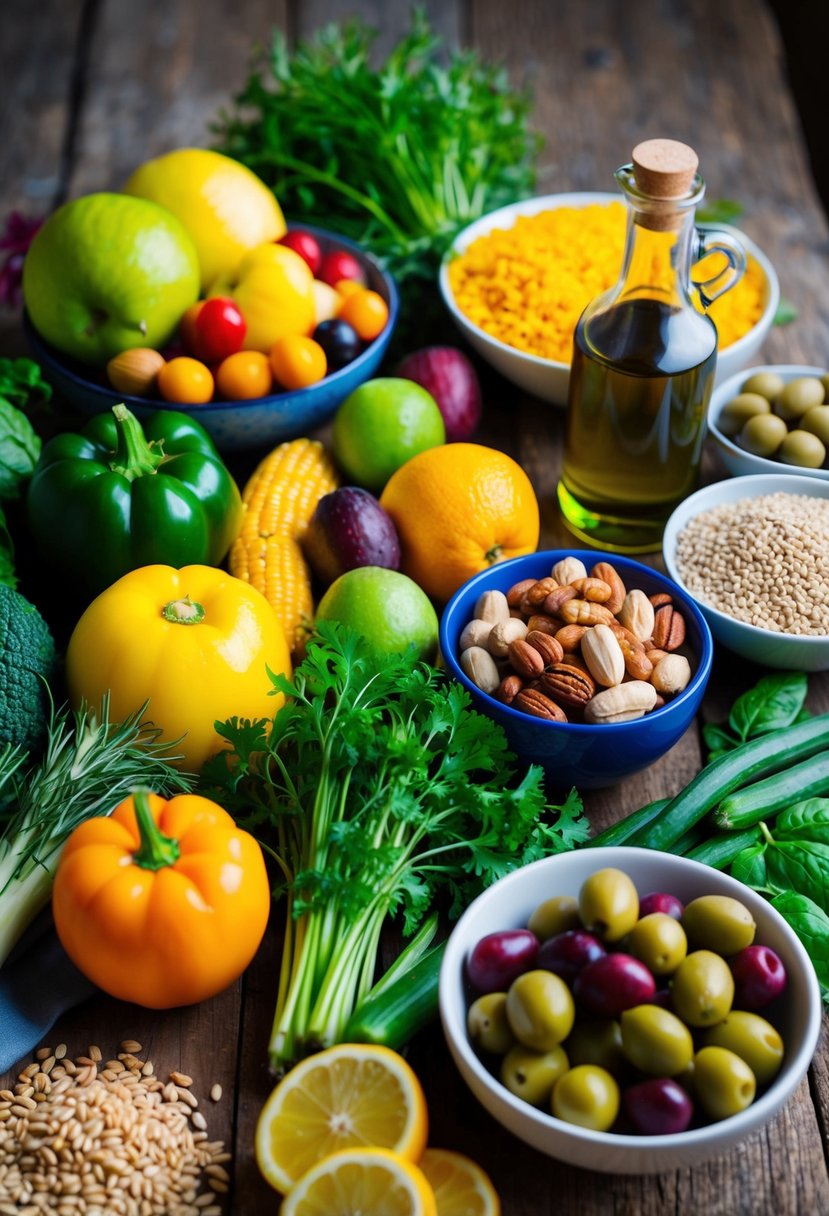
[116, 496]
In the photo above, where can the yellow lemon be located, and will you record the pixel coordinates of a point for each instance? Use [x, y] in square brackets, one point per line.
[350, 1096]
[461, 1187]
[371, 1181]
[225, 207]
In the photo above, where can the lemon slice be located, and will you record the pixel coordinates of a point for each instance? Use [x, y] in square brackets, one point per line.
[461, 1187]
[371, 1181]
[351, 1096]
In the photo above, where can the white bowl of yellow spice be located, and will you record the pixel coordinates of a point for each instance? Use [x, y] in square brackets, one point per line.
[517, 280]
[753, 552]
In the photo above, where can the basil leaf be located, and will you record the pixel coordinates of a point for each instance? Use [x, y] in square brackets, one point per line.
[811, 924]
[718, 739]
[749, 867]
[807, 820]
[22, 383]
[19, 449]
[800, 866]
[773, 703]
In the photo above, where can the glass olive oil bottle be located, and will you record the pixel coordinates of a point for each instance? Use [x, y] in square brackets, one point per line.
[644, 359]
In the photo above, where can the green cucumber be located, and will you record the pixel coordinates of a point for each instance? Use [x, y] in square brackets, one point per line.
[754, 802]
[719, 851]
[758, 758]
[621, 832]
[393, 1016]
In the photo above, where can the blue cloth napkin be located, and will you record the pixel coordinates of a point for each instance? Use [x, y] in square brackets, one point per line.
[37, 984]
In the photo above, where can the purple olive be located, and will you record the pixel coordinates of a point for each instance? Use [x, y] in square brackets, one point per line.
[658, 1107]
[566, 953]
[660, 901]
[499, 958]
[759, 977]
[609, 985]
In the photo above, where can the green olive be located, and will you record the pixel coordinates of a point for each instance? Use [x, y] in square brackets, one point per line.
[736, 412]
[751, 1038]
[540, 1010]
[609, 904]
[825, 382]
[487, 1025]
[658, 941]
[702, 989]
[587, 1095]
[763, 434]
[555, 915]
[816, 421]
[656, 1041]
[766, 384]
[798, 396]
[719, 922]
[803, 449]
[596, 1041]
[531, 1075]
[723, 1083]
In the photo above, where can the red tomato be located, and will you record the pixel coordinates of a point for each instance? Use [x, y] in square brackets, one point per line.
[219, 328]
[340, 265]
[187, 326]
[306, 246]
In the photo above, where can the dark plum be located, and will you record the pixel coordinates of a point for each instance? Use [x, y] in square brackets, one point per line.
[499, 958]
[339, 340]
[759, 977]
[349, 528]
[661, 901]
[658, 1107]
[609, 985]
[566, 953]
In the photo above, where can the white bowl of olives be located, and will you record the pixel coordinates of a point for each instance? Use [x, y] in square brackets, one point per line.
[773, 419]
[574, 949]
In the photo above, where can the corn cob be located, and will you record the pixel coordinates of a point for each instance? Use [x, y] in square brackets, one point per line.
[280, 498]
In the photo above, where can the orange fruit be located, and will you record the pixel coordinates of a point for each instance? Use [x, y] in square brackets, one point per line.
[186, 381]
[371, 1181]
[297, 361]
[244, 376]
[461, 1187]
[458, 509]
[367, 313]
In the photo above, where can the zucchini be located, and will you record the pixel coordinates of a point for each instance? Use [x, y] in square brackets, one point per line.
[750, 761]
[719, 851]
[392, 1016]
[754, 802]
[621, 832]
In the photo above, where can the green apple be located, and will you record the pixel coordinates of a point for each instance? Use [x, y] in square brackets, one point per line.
[381, 425]
[387, 608]
[108, 272]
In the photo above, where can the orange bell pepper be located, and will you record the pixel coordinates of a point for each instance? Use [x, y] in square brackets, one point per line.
[162, 903]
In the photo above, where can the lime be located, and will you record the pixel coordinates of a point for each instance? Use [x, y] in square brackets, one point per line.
[381, 425]
[388, 608]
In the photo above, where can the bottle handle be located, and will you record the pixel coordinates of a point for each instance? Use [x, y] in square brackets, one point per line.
[716, 240]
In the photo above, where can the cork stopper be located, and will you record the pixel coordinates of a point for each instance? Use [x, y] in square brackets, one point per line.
[664, 170]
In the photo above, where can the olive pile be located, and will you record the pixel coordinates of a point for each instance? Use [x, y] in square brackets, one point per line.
[627, 1014]
[781, 421]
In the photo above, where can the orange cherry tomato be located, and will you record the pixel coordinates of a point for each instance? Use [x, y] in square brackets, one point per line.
[298, 361]
[185, 381]
[366, 312]
[244, 376]
[348, 287]
[187, 326]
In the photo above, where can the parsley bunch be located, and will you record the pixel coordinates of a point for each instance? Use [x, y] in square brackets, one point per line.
[388, 794]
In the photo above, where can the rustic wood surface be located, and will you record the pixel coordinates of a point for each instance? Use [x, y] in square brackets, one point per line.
[93, 87]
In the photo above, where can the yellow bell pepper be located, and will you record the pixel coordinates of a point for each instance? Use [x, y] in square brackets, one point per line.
[274, 290]
[197, 642]
[162, 903]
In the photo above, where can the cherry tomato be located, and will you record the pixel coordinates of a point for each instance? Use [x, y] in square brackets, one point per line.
[339, 340]
[187, 326]
[340, 265]
[348, 287]
[367, 313]
[220, 329]
[298, 361]
[244, 376]
[186, 381]
[306, 245]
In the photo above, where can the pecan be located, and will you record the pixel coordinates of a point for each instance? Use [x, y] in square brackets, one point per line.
[668, 628]
[492, 606]
[503, 634]
[525, 659]
[557, 598]
[610, 575]
[568, 685]
[539, 623]
[550, 650]
[603, 656]
[532, 701]
[581, 612]
[594, 589]
[517, 591]
[567, 569]
[539, 591]
[636, 614]
[660, 598]
[570, 636]
[622, 703]
[509, 689]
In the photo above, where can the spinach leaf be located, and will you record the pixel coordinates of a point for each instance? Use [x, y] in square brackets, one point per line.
[22, 383]
[811, 924]
[749, 867]
[773, 703]
[717, 739]
[807, 820]
[801, 866]
[19, 449]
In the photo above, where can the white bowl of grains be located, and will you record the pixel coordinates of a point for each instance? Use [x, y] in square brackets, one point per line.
[753, 552]
[516, 281]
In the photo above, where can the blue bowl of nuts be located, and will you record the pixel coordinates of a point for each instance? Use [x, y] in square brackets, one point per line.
[594, 665]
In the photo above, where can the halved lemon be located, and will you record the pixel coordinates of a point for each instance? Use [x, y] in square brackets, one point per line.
[371, 1181]
[461, 1187]
[353, 1095]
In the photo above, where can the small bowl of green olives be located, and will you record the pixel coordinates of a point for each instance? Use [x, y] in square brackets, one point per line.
[773, 419]
[626, 1010]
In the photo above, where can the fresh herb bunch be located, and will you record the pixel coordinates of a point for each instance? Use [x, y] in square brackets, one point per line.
[399, 157]
[388, 794]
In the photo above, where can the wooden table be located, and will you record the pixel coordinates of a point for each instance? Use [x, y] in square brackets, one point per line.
[91, 89]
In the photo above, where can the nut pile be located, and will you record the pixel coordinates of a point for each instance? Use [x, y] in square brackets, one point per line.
[106, 1138]
[762, 560]
[577, 647]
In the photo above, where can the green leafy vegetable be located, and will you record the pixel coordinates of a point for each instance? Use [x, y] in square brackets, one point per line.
[811, 924]
[720, 211]
[776, 701]
[8, 575]
[786, 312]
[22, 388]
[806, 820]
[388, 794]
